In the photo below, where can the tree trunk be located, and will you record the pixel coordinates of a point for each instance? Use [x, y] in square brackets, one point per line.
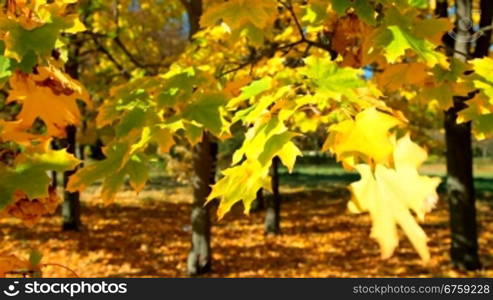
[460, 182]
[96, 150]
[272, 216]
[204, 165]
[204, 168]
[484, 42]
[71, 201]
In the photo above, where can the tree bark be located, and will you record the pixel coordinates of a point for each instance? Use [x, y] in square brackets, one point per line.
[484, 42]
[194, 10]
[204, 165]
[441, 8]
[71, 201]
[460, 180]
[273, 212]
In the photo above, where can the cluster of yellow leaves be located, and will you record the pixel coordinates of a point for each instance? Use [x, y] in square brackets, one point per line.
[390, 184]
[48, 94]
[367, 137]
[389, 194]
[480, 108]
[31, 30]
[250, 18]
[32, 14]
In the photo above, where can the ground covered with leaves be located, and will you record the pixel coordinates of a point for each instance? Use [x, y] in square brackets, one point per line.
[148, 236]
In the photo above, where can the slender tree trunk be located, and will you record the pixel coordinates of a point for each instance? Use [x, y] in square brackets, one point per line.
[71, 201]
[204, 165]
[96, 152]
[195, 9]
[484, 42]
[273, 212]
[460, 180]
[54, 176]
[441, 9]
[204, 168]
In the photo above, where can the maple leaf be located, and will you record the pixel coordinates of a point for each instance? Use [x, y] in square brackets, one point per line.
[480, 112]
[206, 111]
[248, 17]
[367, 137]
[49, 95]
[396, 76]
[363, 8]
[238, 13]
[348, 37]
[389, 195]
[266, 140]
[483, 69]
[29, 172]
[34, 27]
[240, 183]
[397, 40]
[331, 79]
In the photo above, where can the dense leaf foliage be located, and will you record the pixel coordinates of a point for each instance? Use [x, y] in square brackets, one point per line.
[279, 69]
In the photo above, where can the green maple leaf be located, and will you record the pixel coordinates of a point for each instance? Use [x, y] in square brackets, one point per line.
[206, 110]
[397, 40]
[29, 174]
[332, 79]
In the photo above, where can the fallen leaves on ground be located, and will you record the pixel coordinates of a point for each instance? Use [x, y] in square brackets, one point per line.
[148, 236]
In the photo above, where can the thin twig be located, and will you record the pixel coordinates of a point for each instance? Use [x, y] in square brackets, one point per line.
[63, 267]
[110, 56]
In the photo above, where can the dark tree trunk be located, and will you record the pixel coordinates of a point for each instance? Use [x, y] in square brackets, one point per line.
[54, 176]
[460, 191]
[71, 201]
[194, 10]
[441, 8]
[484, 42]
[204, 165]
[460, 182]
[97, 150]
[54, 180]
[273, 212]
[204, 168]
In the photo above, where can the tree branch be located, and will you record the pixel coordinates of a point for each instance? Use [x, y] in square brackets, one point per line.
[110, 56]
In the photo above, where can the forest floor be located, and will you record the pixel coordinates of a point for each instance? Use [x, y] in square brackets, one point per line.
[148, 236]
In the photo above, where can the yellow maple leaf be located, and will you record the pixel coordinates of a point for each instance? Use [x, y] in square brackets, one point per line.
[366, 137]
[239, 13]
[390, 194]
[49, 95]
[394, 77]
[16, 131]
